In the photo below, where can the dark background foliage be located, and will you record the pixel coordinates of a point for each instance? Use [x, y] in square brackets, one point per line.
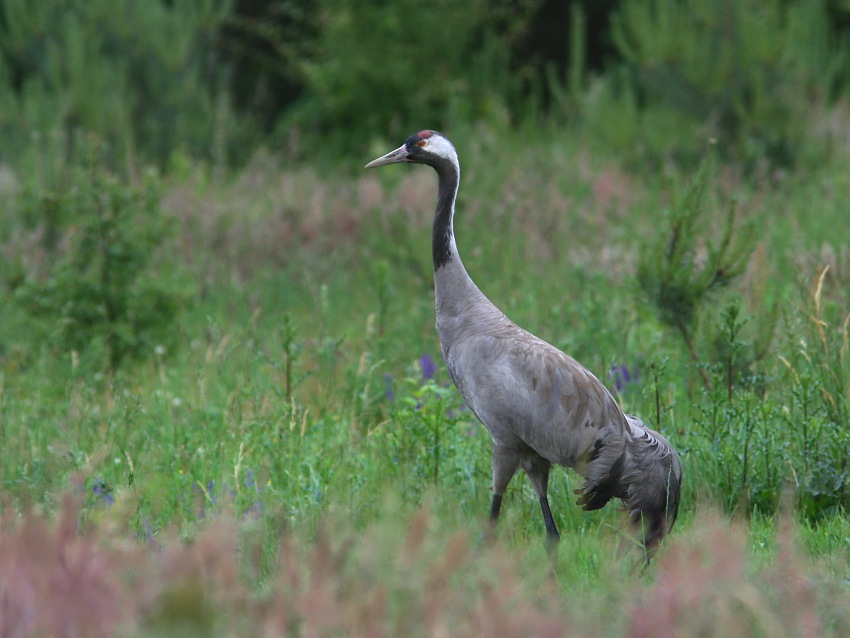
[215, 79]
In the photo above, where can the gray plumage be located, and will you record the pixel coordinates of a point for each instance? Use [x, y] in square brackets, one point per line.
[540, 405]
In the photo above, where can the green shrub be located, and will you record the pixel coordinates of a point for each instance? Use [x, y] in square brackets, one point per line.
[745, 72]
[817, 410]
[106, 285]
[135, 73]
[389, 68]
[674, 278]
[749, 440]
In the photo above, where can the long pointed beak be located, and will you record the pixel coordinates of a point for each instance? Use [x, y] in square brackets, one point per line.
[393, 157]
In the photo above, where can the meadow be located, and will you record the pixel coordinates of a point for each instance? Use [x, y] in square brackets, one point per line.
[286, 454]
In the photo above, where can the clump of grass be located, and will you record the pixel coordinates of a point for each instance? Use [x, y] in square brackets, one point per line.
[56, 582]
[707, 585]
[412, 576]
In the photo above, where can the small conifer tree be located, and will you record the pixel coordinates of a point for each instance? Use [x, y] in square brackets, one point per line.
[100, 289]
[670, 274]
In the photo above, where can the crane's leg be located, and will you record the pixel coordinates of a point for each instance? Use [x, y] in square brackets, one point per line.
[537, 469]
[505, 465]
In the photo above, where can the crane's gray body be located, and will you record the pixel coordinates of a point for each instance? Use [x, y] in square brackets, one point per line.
[529, 395]
[534, 400]
[540, 405]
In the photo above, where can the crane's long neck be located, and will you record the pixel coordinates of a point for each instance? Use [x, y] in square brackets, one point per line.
[460, 304]
[443, 244]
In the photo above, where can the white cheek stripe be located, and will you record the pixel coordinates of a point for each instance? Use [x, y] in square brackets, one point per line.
[441, 146]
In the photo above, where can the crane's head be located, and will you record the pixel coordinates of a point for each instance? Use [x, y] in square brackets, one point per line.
[424, 147]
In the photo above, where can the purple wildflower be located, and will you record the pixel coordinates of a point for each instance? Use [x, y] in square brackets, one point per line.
[103, 491]
[428, 367]
[388, 385]
[148, 530]
[622, 376]
[202, 511]
[202, 497]
[149, 536]
[256, 510]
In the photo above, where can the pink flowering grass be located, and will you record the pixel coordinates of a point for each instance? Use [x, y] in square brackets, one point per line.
[411, 579]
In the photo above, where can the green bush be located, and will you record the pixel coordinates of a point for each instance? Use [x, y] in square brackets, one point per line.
[390, 68]
[136, 73]
[106, 286]
[746, 73]
[672, 274]
[211, 78]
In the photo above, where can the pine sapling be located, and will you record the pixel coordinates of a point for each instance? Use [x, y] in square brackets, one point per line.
[679, 272]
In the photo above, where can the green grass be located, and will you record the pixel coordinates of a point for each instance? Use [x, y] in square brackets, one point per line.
[323, 285]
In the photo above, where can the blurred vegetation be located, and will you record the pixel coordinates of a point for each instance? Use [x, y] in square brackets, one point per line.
[416, 575]
[744, 72]
[206, 306]
[92, 277]
[216, 78]
[142, 75]
[439, 62]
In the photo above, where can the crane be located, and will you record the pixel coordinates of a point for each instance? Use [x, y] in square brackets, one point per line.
[539, 405]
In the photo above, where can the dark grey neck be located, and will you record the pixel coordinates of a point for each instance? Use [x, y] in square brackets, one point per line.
[443, 234]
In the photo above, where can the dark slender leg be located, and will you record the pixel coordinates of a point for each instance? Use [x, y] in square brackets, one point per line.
[505, 465]
[537, 469]
[552, 536]
[551, 530]
[495, 508]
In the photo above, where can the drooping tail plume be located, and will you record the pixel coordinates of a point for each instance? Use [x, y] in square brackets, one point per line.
[652, 476]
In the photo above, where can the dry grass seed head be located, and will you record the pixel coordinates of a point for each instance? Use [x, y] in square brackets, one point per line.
[56, 582]
[703, 587]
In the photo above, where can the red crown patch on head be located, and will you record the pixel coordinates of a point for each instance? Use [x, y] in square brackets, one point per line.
[423, 135]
